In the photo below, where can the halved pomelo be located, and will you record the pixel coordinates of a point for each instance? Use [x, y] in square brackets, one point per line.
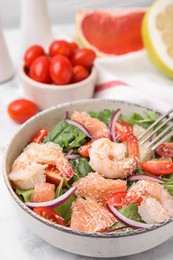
[110, 32]
[157, 33]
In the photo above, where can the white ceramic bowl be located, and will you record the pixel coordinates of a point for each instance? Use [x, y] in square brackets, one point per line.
[88, 244]
[47, 95]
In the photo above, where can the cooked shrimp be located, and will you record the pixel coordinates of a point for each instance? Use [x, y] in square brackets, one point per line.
[156, 204]
[94, 125]
[97, 187]
[30, 167]
[109, 158]
[26, 177]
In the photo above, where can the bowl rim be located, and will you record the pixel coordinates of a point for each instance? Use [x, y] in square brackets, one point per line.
[57, 226]
[54, 87]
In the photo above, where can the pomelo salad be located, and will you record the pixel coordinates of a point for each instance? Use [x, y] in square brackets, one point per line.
[90, 173]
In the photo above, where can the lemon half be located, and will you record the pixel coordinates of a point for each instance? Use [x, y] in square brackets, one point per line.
[157, 34]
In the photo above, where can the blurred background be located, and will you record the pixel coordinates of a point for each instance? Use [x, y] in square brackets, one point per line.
[61, 11]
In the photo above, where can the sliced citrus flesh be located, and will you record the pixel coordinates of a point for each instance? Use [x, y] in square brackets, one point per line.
[157, 34]
[90, 216]
[110, 33]
[98, 188]
[43, 191]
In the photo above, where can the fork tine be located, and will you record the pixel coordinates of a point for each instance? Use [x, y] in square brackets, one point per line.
[156, 130]
[162, 140]
[154, 124]
[162, 135]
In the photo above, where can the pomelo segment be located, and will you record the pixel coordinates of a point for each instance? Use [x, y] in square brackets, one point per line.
[90, 216]
[157, 33]
[110, 33]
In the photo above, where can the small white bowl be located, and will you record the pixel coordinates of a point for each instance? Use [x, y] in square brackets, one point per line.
[82, 243]
[47, 95]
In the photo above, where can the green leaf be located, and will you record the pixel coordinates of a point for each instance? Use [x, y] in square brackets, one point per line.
[168, 185]
[80, 167]
[104, 116]
[135, 118]
[24, 195]
[64, 210]
[66, 135]
[131, 212]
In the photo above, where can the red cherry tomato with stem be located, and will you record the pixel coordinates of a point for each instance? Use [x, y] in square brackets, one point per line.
[21, 110]
[60, 47]
[50, 214]
[60, 70]
[32, 53]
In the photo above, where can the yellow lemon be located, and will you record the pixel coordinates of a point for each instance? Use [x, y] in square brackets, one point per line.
[157, 34]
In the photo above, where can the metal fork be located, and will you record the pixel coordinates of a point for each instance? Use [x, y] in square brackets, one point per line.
[157, 140]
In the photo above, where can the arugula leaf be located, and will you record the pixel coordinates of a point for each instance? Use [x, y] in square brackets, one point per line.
[131, 212]
[104, 115]
[64, 210]
[24, 195]
[168, 185]
[135, 118]
[80, 167]
[66, 135]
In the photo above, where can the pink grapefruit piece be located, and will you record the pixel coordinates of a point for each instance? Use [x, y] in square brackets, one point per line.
[110, 33]
[90, 216]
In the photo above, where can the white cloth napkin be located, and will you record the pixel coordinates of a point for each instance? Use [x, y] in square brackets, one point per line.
[133, 78]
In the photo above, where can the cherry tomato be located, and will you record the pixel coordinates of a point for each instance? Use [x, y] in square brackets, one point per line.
[60, 47]
[50, 214]
[73, 46]
[165, 150]
[84, 149]
[79, 73]
[39, 70]
[123, 130]
[32, 53]
[60, 70]
[53, 175]
[39, 136]
[157, 167]
[21, 110]
[83, 57]
[117, 199]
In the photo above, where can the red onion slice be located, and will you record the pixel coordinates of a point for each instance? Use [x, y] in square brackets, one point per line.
[116, 229]
[113, 123]
[52, 203]
[72, 156]
[127, 221]
[137, 177]
[66, 115]
[80, 126]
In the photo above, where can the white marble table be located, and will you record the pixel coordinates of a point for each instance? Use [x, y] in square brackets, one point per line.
[15, 239]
